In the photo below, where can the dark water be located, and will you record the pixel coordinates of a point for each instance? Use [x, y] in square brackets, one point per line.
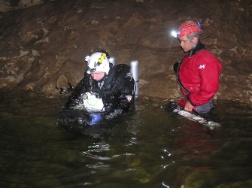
[150, 148]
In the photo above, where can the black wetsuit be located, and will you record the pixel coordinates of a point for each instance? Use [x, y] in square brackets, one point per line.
[112, 89]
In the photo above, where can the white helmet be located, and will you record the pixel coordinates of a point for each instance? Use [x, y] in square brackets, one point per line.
[98, 61]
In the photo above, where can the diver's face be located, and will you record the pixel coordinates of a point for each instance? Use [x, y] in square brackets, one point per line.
[97, 76]
[186, 44]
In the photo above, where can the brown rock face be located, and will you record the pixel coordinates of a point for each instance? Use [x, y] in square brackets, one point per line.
[45, 44]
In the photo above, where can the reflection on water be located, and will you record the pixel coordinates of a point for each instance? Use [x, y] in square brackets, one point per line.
[150, 148]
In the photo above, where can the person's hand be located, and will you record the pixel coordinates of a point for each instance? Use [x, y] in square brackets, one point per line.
[176, 65]
[188, 107]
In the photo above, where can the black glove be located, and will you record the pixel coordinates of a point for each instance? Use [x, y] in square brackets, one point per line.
[95, 118]
[176, 66]
[73, 101]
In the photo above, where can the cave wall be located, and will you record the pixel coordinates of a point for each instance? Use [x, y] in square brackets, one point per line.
[11, 5]
[44, 45]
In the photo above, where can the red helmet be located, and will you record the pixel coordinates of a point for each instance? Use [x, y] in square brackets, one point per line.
[189, 27]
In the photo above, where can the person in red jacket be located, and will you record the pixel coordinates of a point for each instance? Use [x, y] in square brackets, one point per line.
[198, 72]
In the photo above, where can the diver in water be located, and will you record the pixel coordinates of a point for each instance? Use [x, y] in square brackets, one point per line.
[105, 92]
[197, 73]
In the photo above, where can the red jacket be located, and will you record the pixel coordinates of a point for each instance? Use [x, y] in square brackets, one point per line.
[198, 76]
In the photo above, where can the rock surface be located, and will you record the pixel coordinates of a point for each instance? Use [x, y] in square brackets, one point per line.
[45, 45]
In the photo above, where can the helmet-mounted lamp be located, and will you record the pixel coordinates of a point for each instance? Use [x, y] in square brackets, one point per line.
[174, 33]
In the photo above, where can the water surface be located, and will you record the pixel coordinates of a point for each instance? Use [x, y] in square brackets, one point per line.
[150, 148]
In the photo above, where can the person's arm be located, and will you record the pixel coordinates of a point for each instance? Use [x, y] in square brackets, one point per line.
[209, 70]
[127, 94]
[76, 97]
